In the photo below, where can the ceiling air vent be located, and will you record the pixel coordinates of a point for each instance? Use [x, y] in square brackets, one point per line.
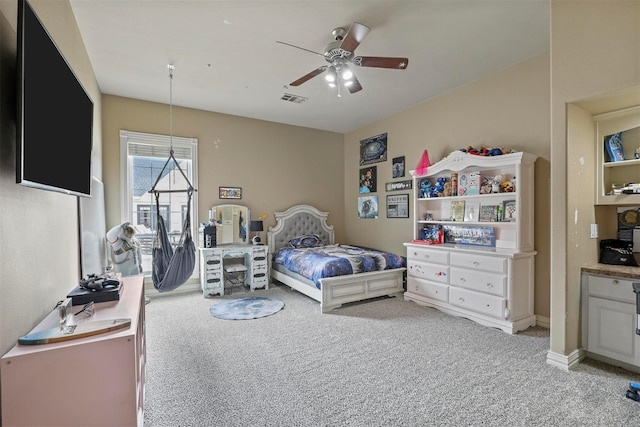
[293, 98]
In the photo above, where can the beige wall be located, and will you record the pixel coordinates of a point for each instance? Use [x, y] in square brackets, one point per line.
[595, 49]
[276, 165]
[509, 109]
[39, 250]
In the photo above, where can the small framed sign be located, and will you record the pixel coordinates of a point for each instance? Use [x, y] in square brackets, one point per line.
[230, 192]
[399, 185]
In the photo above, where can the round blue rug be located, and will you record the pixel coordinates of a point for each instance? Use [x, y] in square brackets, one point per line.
[246, 308]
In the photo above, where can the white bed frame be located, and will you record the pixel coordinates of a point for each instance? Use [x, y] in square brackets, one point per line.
[335, 291]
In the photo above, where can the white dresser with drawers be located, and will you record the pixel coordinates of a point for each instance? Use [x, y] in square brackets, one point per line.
[214, 260]
[493, 287]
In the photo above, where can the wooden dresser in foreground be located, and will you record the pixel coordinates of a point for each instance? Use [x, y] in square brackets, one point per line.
[98, 380]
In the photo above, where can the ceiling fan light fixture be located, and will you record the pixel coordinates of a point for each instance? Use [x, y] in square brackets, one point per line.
[331, 76]
[347, 74]
[348, 83]
[332, 84]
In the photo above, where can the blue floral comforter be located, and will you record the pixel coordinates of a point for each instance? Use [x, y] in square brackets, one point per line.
[335, 260]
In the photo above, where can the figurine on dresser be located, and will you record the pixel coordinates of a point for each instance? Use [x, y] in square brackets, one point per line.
[124, 249]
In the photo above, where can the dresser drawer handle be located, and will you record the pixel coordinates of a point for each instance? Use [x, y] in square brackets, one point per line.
[476, 263]
[212, 280]
[211, 262]
[259, 275]
[463, 280]
[615, 282]
[460, 299]
[259, 258]
[490, 285]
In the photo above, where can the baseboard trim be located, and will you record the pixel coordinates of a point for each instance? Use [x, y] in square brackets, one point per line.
[565, 362]
[542, 321]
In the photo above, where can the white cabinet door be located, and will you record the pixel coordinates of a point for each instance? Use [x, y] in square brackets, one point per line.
[612, 330]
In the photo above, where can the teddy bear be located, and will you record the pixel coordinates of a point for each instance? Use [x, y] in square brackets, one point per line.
[425, 188]
[447, 189]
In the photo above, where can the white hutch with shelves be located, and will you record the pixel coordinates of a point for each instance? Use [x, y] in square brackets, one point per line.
[492, 285]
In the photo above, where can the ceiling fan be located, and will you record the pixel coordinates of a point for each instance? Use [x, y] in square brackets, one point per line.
[340, 55]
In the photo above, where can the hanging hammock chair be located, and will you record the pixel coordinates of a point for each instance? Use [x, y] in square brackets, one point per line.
[172, 268]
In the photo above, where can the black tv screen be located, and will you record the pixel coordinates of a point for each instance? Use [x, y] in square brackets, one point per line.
[55, 114]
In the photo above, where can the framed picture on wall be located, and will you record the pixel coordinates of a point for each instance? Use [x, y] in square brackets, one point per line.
[397, 167]
[230, 192]
[373, 149]
[368, 179]
[398, 206]
[368, 207]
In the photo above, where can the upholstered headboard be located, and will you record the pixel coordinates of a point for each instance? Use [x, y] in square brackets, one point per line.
[297, 221]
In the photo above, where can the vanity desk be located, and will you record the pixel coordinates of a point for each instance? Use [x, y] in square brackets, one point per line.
[213, 262]
[227, 254]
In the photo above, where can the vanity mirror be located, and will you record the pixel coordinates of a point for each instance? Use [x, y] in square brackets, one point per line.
[231, 224]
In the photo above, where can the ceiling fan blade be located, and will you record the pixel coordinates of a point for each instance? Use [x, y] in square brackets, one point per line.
[309, 76]
[381, 62]
[355, 85]
[298, 47]
[357, 32]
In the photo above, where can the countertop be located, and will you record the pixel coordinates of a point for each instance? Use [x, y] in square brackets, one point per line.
[622, 271]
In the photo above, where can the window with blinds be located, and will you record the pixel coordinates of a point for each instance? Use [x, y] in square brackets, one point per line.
[143, 157]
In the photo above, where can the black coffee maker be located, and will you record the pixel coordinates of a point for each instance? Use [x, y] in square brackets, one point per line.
[210, 240]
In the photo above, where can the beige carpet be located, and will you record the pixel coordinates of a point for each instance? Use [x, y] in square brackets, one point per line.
[386, 362]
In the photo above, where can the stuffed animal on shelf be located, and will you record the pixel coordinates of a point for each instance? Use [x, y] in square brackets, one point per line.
[447, 189]
[425, 188]
[496, 182]
[438, 189]
[506, 187]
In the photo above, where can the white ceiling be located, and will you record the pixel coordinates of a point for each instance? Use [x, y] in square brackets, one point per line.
[227, 60]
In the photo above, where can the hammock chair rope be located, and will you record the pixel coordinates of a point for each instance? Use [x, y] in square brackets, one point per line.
[171, 268]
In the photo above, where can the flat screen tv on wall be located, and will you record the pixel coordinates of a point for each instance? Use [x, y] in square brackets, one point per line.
[55, 114]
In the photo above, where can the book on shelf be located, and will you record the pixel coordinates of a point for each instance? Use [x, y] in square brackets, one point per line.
[488, 213]
[471, 211]
[457, 210]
